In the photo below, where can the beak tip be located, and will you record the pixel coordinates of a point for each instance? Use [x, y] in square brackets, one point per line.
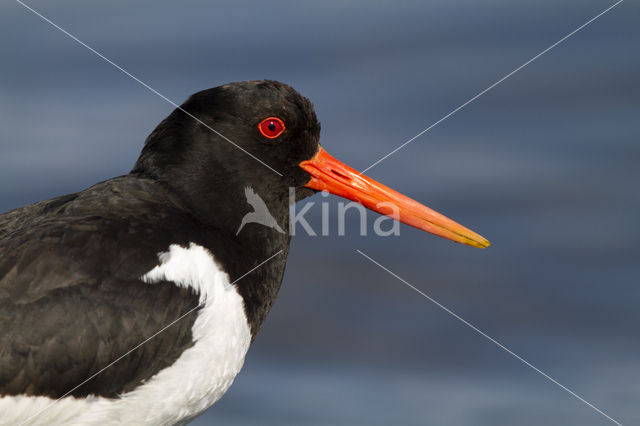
[482, 243]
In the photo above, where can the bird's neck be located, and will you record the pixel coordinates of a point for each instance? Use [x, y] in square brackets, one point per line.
[255, 261]
[255, 257]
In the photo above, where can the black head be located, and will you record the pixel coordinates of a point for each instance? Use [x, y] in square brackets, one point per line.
[188, 153]
[214, 146]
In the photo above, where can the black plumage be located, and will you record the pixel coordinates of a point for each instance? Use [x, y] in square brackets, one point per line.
[71, 298]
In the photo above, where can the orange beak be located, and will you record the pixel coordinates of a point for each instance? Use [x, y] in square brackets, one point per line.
[331, 175]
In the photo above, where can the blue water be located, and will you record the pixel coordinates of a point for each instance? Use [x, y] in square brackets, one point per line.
[546, 165]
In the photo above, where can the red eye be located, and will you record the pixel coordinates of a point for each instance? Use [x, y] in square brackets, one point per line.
[271, 127]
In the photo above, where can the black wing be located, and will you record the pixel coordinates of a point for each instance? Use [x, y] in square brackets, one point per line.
[71, 299]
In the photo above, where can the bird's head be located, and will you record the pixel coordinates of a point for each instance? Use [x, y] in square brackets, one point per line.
[265, 135]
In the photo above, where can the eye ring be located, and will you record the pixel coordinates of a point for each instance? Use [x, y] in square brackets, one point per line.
[271, 127]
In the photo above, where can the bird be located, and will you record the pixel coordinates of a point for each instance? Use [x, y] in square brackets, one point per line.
[136, 300]
[260, 213]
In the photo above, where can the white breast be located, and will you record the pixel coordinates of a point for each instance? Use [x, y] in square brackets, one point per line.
[194, 382]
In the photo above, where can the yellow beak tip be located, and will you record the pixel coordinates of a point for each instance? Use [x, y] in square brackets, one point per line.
[483, 243]
[475, 241]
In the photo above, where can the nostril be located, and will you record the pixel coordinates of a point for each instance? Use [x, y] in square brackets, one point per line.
[335, 172]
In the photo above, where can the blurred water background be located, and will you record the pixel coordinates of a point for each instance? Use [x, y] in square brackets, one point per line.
[546, 165]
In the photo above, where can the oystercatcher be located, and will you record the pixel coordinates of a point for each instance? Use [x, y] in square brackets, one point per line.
[87, 277]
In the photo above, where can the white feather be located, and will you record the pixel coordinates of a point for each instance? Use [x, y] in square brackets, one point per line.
[177, 394]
